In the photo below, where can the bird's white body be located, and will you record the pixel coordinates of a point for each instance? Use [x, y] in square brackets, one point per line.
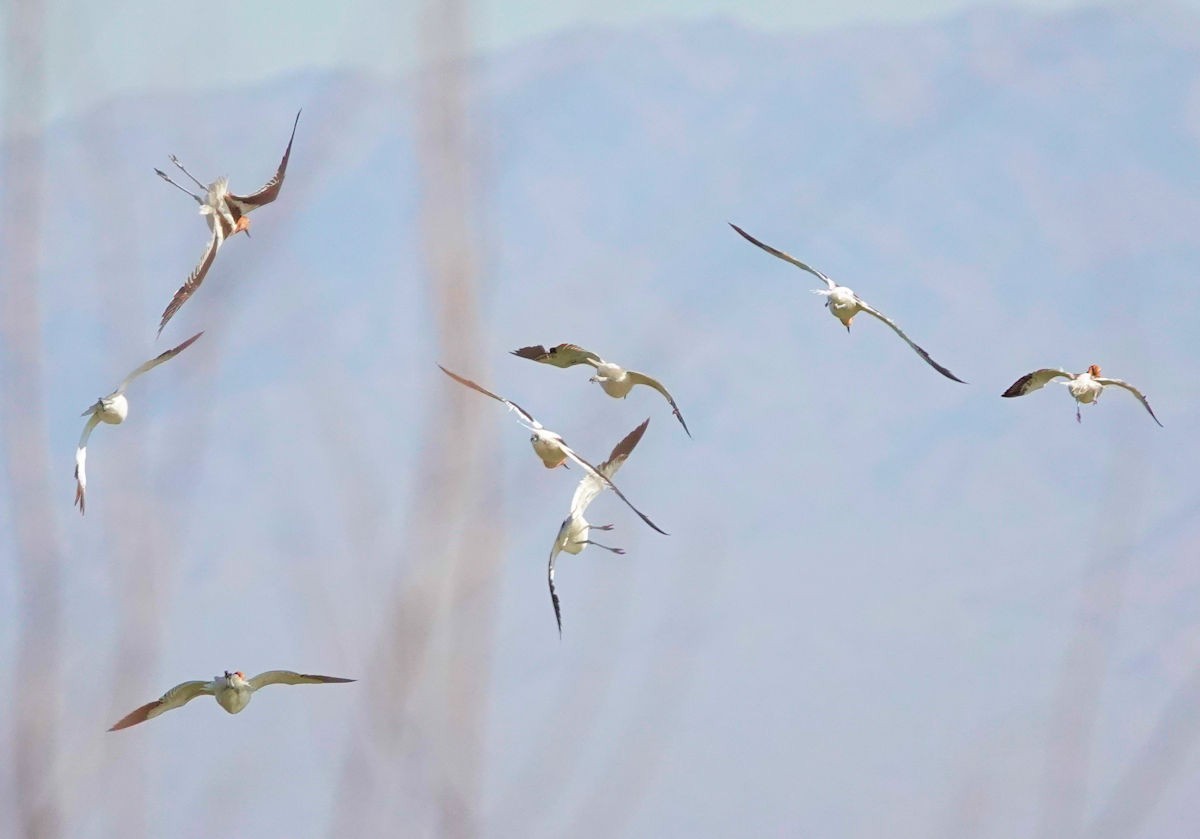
[548, 446]
[232, 692]
[842, 303]
[1084, 388]
[573, 534]
[215, 204]
[613, 379]
[112, 409]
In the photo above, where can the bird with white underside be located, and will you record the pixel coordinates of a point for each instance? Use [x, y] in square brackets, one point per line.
[227, 214]
[1085, 387]
[613, 379]
[232, 692]
[844, 304]
[549, 446]
[574, 534]
[112, 409]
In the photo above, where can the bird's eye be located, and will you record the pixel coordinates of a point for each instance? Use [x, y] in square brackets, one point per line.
[533, 438]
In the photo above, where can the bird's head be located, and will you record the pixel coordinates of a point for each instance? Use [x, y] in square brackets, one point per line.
[242, 226]
[1094, 370]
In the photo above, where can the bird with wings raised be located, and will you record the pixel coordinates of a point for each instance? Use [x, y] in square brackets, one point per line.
[232, 692]
[844, 304]
[574, 534]
[112, 409]
[227, 214]
[614, 379]
[550, 447]
[1085, 387]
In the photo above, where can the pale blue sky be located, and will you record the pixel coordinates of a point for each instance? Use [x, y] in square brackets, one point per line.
[96, 51]
[887, 598]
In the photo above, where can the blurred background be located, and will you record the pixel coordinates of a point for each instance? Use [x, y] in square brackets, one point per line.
[889, 604]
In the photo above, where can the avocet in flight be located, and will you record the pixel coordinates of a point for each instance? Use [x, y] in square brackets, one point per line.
[614, 379]
[232, 692]
[1086, 387]
[227, 214]
[844, 304]
[574, 534]
[113, 409]
[550, 447]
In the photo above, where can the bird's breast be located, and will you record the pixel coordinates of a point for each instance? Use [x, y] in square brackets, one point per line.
[548, 449]
[113, 411]
[1085, 390]
[233, 700]
[616, 387]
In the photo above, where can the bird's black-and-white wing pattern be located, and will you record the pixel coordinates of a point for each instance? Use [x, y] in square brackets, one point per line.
[1127, 386]
[157, 360]
[198, 273]
[176, 697]
[589, 487]
[596, 473]
[563, 355]
[785, 257]
[642, 379]
[289, 677]
[81, 458]
[1035, 381]
[245, 203]
[873, 312]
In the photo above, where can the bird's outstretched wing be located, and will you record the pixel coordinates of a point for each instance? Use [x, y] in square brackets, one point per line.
[195, 278]
[176, 697]
[597, 474]
[1141, 397]
[288, 677]
[917, 349]
[246, 203]
[1035, 381]
[554, 552]
[564, 355]
[512, 406]
[157, 360]
[81, 459]
[590, 486]
[785, 257]
[643, 379]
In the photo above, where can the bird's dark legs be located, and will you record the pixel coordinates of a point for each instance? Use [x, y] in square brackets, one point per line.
[175, 160]
[163, 175]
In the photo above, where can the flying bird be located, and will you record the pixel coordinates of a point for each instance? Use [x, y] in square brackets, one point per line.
[1086, 387]
[227, 214]
[113, 409]
[844, 304]
[232, 692]
[550, 447]
[574, 533]
[614, 379]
